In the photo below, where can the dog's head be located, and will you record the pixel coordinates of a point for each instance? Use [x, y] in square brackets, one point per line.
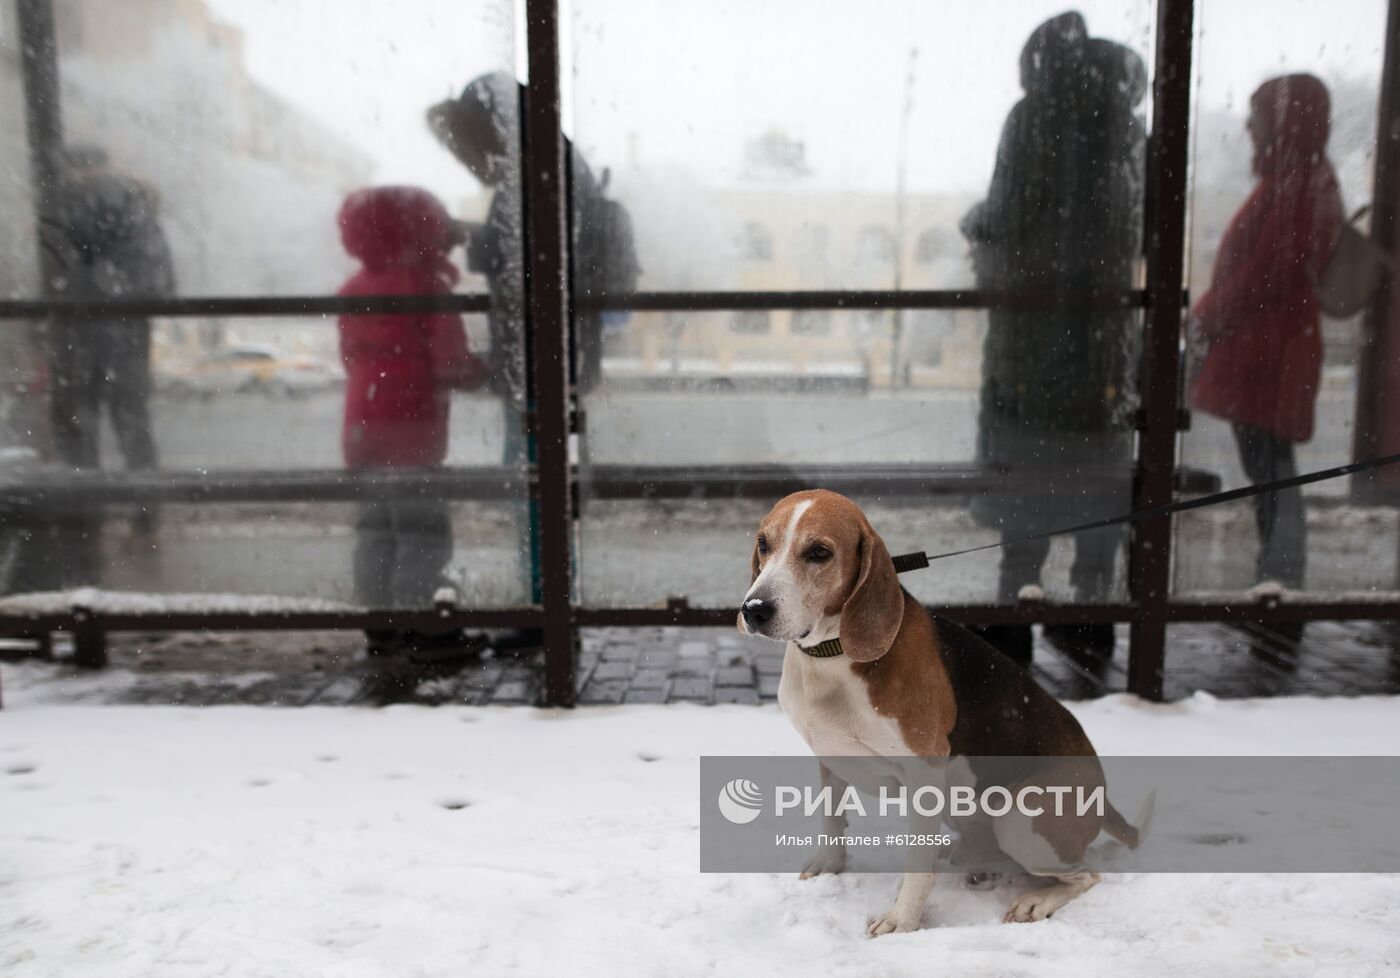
[818, 566]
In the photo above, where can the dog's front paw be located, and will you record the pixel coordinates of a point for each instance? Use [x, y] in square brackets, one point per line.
[890, 923]
[1035, 905]
[826, 859]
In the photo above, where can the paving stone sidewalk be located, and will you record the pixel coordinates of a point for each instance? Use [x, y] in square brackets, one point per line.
[660, 665]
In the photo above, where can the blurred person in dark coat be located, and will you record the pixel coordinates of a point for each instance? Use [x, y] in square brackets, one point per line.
[109, 245]
[481, 129]
[105, 243]
[1063, 212]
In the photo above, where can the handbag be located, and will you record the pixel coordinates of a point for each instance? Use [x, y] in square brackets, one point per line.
[1353, 271]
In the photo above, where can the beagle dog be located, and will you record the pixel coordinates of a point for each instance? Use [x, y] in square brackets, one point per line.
[903, 684]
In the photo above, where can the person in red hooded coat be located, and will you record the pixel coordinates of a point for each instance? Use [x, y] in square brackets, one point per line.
[1259, 319]
[400, 370]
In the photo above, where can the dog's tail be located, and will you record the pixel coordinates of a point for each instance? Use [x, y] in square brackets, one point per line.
[1131, 834]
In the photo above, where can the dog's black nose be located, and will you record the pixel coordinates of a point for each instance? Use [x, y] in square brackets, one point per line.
[758, 612]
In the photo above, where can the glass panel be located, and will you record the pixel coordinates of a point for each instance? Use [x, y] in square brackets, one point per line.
[18, 256]
[274, 404]
[265, 393]
[1285, 149]
[220, 126]
[766, 170]
[209, 150]
[22, 363]
[274, 556]
[686, 393]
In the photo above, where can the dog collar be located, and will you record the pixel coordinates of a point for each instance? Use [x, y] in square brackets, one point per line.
[822, 650]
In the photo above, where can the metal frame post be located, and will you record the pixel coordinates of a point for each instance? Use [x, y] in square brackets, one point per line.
[43, 120]
[89, 641]
[547, 246]
[1377, 346]
[1149, 547]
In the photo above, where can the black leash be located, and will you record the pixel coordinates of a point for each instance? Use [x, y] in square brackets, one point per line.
[917, 561]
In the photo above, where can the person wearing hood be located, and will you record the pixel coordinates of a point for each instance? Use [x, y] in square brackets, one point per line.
[1063, 213]
[1259, 322]
[109, 246]
[481, 129]
[400, 370]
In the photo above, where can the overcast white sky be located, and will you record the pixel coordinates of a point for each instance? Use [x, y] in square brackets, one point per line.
[665, 81]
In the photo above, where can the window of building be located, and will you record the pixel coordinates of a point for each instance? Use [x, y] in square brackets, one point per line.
[756, 242]
[811, 322]
[872, 321]
[750, 322]
[812, 242]
[875, 244]
[937, 243]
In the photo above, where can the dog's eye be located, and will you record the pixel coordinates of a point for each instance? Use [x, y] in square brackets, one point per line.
[763, 545]
[818, 553]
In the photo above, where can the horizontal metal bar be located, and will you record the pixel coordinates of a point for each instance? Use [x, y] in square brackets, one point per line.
[684, 616]
[717, 301]
[907, 481]
[1029, 613]
[1287, 611]
[431, 620]
[327, 305]
[210, 306]
[679, 615]
[50, 491]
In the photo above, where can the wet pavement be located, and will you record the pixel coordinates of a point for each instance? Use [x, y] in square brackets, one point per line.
[657, 665]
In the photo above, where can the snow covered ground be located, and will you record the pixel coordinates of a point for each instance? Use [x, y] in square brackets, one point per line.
[349, 843]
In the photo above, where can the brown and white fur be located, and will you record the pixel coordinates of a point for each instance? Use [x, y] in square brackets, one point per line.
[910, 685]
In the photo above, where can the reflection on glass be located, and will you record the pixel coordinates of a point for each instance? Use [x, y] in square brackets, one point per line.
[1064, 211]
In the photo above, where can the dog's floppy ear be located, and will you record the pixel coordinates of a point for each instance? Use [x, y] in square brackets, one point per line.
[871, 616]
